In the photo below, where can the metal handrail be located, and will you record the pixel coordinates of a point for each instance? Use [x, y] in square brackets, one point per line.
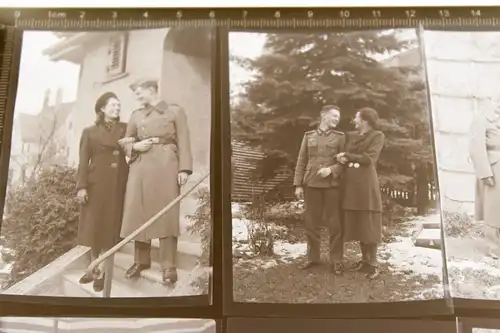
[109, 254]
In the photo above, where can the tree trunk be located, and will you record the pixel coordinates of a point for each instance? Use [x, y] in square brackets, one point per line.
[422, 182]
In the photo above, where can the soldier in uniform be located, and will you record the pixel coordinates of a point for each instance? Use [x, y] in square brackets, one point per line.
[157, 142]
[317, 180]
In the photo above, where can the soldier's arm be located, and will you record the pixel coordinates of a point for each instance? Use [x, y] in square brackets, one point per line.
[370, 156]
[477, 149]
[337, 167]
[127, 142]
[183, 141]
[301, 163]
[83, 160]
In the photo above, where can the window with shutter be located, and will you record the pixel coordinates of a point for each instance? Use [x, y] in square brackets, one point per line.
[117, 55]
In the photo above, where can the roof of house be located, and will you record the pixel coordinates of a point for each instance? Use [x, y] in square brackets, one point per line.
[35, 127]
[245, 159]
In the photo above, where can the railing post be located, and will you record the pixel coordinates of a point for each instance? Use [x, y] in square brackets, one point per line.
[108, 275]
[55, 327]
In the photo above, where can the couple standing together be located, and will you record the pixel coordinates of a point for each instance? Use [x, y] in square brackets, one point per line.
[337, 178]
[118, 196]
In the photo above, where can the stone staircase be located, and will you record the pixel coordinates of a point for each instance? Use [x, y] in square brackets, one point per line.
[430, 233]
[60, 278]
[148, 285]
[104, 325]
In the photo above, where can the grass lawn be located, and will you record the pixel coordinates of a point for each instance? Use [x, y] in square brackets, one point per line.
[407, 273]
[472, 272]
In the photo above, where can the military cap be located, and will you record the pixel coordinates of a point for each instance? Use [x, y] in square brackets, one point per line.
[144, 83]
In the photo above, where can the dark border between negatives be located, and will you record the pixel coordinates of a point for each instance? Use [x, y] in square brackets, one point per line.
[269, 325]
[200, 306]
[339, 310]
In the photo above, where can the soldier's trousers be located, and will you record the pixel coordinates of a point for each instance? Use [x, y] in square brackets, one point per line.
[168, 252]
[323, 203]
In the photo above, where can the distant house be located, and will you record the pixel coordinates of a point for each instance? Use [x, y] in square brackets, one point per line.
[40, 140]
[246, 158]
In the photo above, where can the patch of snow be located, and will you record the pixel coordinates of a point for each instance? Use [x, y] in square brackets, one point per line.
[475, 266]
[403, 255]
[240, 230]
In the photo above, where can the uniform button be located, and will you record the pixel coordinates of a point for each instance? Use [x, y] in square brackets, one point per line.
[114, 165]
[116, 152]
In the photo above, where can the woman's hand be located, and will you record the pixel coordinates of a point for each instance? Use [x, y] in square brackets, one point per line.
[182, 178]
[143, 145]
[339, 156]
[82, 196]
[343, 160]
[489, 181]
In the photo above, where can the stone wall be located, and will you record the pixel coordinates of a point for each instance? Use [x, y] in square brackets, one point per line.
[463, 72]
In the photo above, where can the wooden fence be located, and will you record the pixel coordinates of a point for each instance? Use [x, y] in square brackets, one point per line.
[245, 158]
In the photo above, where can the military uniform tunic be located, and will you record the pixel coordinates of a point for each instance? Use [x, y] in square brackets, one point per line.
[321, 195]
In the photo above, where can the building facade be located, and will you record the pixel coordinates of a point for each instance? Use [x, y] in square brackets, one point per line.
[110, 61]
[463, 78]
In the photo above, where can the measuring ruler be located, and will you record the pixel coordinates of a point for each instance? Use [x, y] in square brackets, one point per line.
[462, 18]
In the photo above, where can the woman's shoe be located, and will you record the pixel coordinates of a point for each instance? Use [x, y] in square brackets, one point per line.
[88, 277]
[99, 283]
[373, 272]
[360, 266]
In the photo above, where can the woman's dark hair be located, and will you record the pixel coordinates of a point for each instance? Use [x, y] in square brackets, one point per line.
[101, 102]
[370, 116]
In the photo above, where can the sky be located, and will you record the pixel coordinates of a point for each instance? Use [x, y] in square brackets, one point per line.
[37, 74]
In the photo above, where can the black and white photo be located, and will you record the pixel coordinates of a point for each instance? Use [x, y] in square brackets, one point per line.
[465, 102]
[334, 197]
[110, 165]
[105, 325]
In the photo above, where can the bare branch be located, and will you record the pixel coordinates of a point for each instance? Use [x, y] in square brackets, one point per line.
[45, 142]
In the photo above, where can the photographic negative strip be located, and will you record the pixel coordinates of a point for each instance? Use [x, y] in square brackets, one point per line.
[463, 79]
[111, 134]
[334, 198]
[105, 325]
[479, 325]
[292, 325]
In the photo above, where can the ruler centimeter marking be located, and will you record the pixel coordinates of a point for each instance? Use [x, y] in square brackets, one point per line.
[238, 18]
[6, 58]
[51, 24]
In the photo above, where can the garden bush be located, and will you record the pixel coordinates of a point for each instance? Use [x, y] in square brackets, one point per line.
[461, 225]
[42, 221]
[202, 223]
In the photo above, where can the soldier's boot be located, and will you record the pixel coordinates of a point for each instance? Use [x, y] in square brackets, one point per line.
[135, 270]
[308, 264]
[361, 266]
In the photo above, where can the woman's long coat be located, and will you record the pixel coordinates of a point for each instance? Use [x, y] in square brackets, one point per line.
[103, 171]
[361, 185]
[485, 156]
[152, 182]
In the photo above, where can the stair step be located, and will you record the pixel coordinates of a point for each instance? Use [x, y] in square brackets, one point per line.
[431, 224]
[151, 280]
[118, 289]
[429, 238]
[188, 253]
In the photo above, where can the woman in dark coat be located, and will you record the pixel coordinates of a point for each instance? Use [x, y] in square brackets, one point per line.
[102, 179]
[362, 201]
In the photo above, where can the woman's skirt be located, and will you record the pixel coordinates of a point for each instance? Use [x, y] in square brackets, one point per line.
[363, 226]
